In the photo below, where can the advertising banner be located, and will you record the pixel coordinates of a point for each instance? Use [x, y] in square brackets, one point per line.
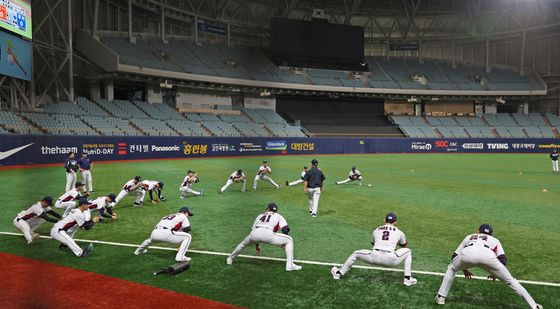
[38, 149]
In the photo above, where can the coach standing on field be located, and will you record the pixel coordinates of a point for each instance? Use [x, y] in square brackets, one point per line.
[312, 184]
[85, 165]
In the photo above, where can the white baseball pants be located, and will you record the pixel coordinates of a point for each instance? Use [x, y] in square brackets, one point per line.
[349, 180]
[159, 234]
[296, 182]
[384, 258]
[267, 236]
[70, 181]
[482, 257]
[138, 193]
[313, 195]
[229, 183]
[87, 180]
[64, 205]
[67, 239]
[265, 178]
[186, 189]
[24, 227]
[555, 166]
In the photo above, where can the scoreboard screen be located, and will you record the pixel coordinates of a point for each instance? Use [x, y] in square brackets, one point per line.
[15, 16]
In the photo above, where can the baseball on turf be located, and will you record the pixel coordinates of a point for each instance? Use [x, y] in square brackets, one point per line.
[369, 185]
[544, 190]
[520, 173]
[411, 171]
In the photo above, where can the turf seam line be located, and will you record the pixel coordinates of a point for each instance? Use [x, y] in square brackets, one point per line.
[422, 272]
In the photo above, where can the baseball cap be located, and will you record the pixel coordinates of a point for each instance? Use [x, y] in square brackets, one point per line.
[314, 162]
[190, 171]
[48, 199]
[138, 178]
[239, 171]
[112, 196]
[79, 184]
[265, 161]
[272, 207]
[486, 229]
[83, 201]
[304, 167]
[186, 210]
[160, 185]
[353, 167]
[390, 218]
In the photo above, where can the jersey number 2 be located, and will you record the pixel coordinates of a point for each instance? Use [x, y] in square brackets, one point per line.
[385, 235]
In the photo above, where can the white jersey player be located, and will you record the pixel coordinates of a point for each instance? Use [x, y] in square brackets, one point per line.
[64, 230]
[235, 177]
[354, 175]
[384, 240]
[264, 230]
[28, 220]
[132, 187]
[261, 175]
[68, 199]
[300, 180]
[171, 229]
[187, 183]
[104, 205]
[486, 252]
[150, 186]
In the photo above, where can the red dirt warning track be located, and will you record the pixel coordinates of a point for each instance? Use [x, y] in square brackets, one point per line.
[28, 283]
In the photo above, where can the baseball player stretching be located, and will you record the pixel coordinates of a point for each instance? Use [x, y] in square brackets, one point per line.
[85, 165]
[486, 252]
[150, 186]
[132, 187]
[171, 229]
[71, 167]
[235, 177]
[68, 200]
[189, 180]
[297, 182]
[63, 231]
[354, 175]
[104, 205]
[261, 175]
[312, 185]
[264, 231]
[554, 158]
[28, 220]
[384, 240]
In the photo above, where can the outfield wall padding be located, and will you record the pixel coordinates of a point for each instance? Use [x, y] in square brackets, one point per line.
[39, 149]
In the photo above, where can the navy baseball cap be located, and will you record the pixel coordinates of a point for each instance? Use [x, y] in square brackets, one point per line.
[314, 162]
[160, 185]
[79, 184]
[83, 201]
[486, 229]
[48, 199]
[265, 161]
[239, 172]
[190, 171]
[272, 207]
[186, 210]
[305, 167]
[138, 178]
[112, 196]
[390, 218]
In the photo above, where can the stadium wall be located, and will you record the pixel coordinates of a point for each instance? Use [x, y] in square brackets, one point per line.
[44, 149]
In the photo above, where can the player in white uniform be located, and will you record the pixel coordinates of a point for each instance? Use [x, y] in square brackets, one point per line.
[261, 175]
[172, 229]
[28, 220]
[68, 199]
[104, 206]
[235, 177]
[264, 230]
[64, 230]
[486, 252]
[185, 187]
[132, 187]
[554, 156]
[354, 175]
[297, 182]
[384, 240]
[71, 167]
[85, 165]
[150, 186]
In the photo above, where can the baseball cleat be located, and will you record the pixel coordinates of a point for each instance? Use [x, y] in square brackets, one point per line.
[287, 183]
[62, 247]
[440, 300]
[136, 204]
[201, 191]
[229, 261]
[293, 268]
[183, 259]
[34, 238]
[219, 191]
[409, 282]
[277, 187]
[139, 251]
[539, 306]
[334, 273]
[163, 198]
[182, 196]
[313, 215]
[88, 250]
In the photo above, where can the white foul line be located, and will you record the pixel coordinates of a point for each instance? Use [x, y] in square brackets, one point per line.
[431, 273]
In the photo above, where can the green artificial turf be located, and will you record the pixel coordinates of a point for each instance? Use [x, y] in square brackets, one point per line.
[439, 199]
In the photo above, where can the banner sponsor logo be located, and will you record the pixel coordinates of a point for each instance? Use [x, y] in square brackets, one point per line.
[223, 148]
[56, 150]
[249, 147]
[98, 149]
[497, 146]
[549, 146]
[156, 148]
[194, 149]
[11, 152]
[421, 146]
[473, 146]
[276, 145]
[523, 146]
[302, 146]
[121, 149]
